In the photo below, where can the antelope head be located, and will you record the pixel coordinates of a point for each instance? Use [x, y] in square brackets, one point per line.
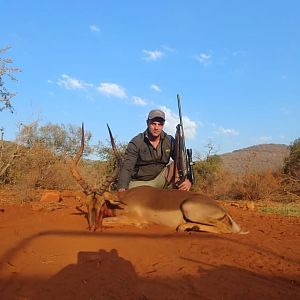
[96, 199]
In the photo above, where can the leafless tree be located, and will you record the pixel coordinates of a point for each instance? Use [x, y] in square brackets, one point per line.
[6, 71]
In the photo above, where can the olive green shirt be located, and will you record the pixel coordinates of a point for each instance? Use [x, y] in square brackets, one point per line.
[142, 161]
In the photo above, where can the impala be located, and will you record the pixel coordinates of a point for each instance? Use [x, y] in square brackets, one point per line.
[144, 205]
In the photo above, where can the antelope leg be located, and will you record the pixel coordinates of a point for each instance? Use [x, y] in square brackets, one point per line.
[218, 227]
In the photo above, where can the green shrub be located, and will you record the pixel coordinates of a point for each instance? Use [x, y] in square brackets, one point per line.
[292, 162]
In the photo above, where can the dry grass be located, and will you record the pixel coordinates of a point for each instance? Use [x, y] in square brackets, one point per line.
[286, 209]
[37, 168]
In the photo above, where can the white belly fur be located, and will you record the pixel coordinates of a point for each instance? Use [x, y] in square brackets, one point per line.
[170, 218]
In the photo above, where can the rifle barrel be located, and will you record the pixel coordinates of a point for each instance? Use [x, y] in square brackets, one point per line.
[179, 109]
[181, 123]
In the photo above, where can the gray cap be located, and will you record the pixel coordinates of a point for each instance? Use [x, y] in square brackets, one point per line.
[156, 113]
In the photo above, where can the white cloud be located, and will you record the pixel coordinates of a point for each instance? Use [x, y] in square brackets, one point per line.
[139, 101]
[203, 58]
[239, 53]
[172, 119]
[152, 55]
[111, 89]
[228, 131]
[155, 87]
[70, 83]
[169, 49]
[94, 28]
[265, 139]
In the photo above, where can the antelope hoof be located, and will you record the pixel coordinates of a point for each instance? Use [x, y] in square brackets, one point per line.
[187, 227]
[195, 228]
[181, 227]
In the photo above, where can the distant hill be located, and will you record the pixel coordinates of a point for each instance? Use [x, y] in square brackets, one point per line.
[255, 158]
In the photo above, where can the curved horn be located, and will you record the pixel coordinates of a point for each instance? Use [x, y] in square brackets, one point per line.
[114, 147]
[110, 178]
[86, 189]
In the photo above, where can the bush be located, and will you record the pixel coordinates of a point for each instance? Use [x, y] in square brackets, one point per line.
[292, 162]
[206, 173]
[38, 167]
[255, 186]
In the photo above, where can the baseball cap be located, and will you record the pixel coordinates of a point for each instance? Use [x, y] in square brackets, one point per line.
[156, 113]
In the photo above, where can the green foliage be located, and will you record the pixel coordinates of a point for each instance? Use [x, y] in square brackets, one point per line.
[206, 172]
[106, 153]
[292, 162]
[209, 166]
[62, 140]
[6, 71]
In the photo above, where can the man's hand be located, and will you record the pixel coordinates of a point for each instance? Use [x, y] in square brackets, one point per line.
[185, 186]
[121, 190]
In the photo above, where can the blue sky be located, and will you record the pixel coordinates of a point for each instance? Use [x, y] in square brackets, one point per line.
[235, 64]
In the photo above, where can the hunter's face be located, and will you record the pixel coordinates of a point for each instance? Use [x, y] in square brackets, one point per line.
[155, 126]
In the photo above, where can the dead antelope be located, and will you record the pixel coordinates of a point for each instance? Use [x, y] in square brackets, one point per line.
[180, 210]
[140, 206]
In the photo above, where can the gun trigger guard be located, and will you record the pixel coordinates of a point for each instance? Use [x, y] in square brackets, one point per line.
[179, 182]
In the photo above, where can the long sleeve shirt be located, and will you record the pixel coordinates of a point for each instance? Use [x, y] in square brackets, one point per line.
[144, 162]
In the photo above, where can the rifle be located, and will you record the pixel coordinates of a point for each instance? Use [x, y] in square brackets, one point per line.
[183, 157]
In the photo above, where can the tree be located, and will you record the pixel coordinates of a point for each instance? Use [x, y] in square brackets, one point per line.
[292, 162]
[59, 139]
[106, 153]
[6, 71]
[207, 169]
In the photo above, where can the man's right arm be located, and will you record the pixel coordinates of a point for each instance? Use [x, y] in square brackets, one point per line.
[127, 170]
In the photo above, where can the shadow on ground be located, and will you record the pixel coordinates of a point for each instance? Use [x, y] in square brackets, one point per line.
[106, 275]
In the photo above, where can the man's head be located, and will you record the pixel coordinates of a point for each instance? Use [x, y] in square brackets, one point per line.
[155, 122]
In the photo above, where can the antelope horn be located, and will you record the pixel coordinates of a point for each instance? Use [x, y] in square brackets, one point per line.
[86, 188]
[110, 178]
[114, 147]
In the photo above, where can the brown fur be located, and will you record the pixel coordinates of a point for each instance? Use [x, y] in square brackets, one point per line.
[176, 209]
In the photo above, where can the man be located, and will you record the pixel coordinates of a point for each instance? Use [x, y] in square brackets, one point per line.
[147, 157]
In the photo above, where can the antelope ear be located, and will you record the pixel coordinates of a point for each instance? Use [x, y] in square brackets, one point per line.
[111, 197]
[100, 200]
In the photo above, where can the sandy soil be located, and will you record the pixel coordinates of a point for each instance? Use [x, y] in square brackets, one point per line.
[47, 253]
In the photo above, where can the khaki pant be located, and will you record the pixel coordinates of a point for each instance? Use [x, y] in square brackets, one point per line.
[158, 182]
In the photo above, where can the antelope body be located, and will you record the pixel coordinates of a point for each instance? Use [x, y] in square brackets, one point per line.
[176, 209]
[144, 205]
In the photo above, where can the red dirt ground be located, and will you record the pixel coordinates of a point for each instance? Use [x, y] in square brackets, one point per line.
[49, 254]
